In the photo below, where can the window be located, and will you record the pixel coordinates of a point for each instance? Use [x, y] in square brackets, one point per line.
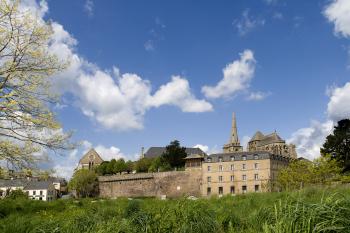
[256, 156]
[232, 158]
[256, 188]
[220, 159]
[244, 177]
[209, 179]
[40, 198]
[209, 160]
[41, 192]
[209, 168]
[34, 192]
[244, 157]
[256, 177]
[208, 191]
[220, 178]
[232, 167]
[256, 165]
[244, 189]
[243, 166]
[221, 190]
[232, 178]
[232, 189]
[220, 168]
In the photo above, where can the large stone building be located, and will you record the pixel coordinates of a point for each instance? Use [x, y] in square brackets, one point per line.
[233, 171]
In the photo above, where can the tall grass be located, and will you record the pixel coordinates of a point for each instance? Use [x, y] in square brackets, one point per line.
[311, 210]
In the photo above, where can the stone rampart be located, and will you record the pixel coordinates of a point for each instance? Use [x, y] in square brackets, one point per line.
[172, 184]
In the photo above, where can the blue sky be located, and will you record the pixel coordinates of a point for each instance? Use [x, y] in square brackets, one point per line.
[287, 68]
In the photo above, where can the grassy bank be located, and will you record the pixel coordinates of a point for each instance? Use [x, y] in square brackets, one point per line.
[311, 210]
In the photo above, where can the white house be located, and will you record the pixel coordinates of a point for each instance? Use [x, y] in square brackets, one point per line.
[6, 186]
[41, 190]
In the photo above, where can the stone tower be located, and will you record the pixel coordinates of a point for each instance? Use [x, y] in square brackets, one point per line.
[234, 144]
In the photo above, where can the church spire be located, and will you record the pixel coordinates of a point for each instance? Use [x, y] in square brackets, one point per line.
[234, 134]
[233, 145]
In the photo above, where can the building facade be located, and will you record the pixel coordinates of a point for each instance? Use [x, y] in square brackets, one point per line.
[231, 172]
[90, 160]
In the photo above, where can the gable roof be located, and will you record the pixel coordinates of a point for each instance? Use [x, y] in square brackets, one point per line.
[35, 185]
[266, 139]
[257, 136]
[13, 183]
[154, 152]
[91, 154]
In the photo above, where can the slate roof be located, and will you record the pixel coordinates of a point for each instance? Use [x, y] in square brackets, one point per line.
[35, 185]
[266, 139]
[238, 156]
[154, 152]
[13, 183]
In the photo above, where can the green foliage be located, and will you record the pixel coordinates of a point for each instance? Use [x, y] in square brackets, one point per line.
[303, 173]
[338, 144]
[114, 167]
[84, 183]
[174, 155]
[17, 194]
[309, 210]
[144, 164]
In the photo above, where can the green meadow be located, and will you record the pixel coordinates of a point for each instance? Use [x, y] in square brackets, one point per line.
[309, 210]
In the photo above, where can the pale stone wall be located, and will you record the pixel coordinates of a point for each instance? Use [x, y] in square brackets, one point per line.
[171, 184]
[240, 168]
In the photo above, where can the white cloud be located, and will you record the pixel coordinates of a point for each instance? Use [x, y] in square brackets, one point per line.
[256, 96]
[245, 141]
[149, 45]
[110, 153]
[338, 13]
[115, 101]
[339, 105]
[277, 15]
[237, 77]
[202, 147]
[270, 2]
[177, 92]
[309, 140]
[64, 166]
[89, 7]
[208, 150]
[246, 23]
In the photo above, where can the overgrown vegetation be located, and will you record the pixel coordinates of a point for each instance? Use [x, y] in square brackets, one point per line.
[309, 210]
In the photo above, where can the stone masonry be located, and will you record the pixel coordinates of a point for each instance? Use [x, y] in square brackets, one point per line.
[171, 184]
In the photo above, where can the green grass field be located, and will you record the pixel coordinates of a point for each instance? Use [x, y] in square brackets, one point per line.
[310, 210]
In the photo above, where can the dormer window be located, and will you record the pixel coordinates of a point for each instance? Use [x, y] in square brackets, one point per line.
[209, 160]
[256, 156]
[220, 159]
[244, 157]
[232, 158]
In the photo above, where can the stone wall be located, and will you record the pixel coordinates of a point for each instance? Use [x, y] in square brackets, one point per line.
[172, 184]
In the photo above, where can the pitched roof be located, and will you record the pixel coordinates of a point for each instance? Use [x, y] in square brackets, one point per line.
[238, 156]
[13, 183]
[35, 185]
[91, 155]
[266, 139]
[154, 152]
[257, 136]
[271, 138]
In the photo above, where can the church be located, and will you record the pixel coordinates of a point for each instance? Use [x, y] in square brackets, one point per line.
[233, 171]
